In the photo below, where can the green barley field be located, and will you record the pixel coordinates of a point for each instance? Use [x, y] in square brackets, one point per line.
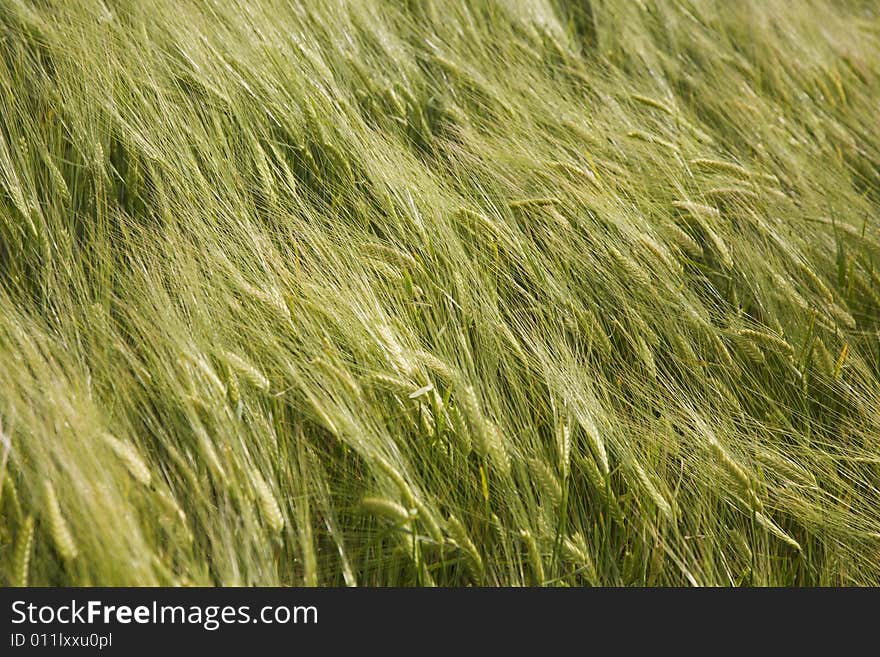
[427, 292]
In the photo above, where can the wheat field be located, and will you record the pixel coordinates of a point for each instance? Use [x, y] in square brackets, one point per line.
[427, 292]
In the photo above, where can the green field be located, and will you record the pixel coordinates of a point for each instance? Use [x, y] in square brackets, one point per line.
[385, 292]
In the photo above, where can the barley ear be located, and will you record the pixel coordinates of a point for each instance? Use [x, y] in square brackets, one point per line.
[22, 555]
[460, 536]
[393, 511]
[534, 557]
[58, 528]
[268, 504]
